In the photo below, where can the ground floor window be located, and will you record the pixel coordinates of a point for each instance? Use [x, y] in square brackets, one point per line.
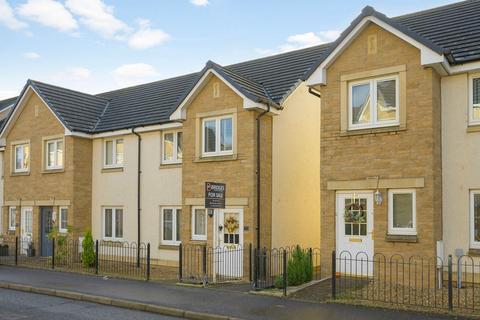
[171, 225]
[475, 219]
[402, 212]
[199, 223]
[12, 212]
[63, 221]
[113, 223]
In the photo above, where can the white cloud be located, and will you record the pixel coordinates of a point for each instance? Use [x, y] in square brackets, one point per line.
[31, 55]
[147, 37]
[200, 3]
[49, 13]
[303, 40]
[99, 17]
[136, 73]
[78, 73]
[8, 18]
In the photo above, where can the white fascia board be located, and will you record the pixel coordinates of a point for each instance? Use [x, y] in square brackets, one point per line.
[20, 106]
[122, 132]
[428, 57]
[181, 114]
[462, 68]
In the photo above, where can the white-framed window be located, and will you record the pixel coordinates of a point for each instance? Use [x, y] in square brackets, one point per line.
[217, 136]
[402, 213]
[63, 219]
[113, 223]
[172, 147]
[21, 157]
[475, 219]
[113, 153]
[199, 223]
[12, 213]
[373, 103]
[474, 109]
[54, 154]
[170, 225]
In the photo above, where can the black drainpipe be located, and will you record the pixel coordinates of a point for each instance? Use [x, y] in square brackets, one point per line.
[258, 173]
[139, 208]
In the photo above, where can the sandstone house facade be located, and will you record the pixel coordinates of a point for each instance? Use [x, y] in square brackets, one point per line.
[365, 145]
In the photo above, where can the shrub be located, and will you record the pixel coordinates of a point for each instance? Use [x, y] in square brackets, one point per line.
[299, 268]
[88, 253]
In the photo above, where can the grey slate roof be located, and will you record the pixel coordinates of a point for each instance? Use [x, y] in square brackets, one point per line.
[453, 30]
[7, 102]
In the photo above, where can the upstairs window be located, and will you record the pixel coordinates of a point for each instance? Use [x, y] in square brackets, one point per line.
[373, 103]
[172, 147]
[54, 154]
[475, 100]
[113, 153]
[217, 136]
[22, 158]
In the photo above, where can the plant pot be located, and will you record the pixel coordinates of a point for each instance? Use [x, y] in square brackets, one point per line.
[30, 252]
[4, 250]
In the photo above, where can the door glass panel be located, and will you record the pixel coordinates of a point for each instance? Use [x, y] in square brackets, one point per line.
[355, 216]
[231, 227]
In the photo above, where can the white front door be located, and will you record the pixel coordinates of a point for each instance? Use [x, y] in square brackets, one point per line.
[26, 228]
[228, 255]
[355, 233]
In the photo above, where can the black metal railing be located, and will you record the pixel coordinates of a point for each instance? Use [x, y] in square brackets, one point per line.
[121, 259]
[414, 281]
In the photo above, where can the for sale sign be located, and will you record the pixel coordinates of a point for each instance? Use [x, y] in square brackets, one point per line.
[214, 195]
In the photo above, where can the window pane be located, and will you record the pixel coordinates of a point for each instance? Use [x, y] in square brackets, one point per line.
[209, 132]
[167, 224]
[168, 146]
[179, 145]
[19, 157]
[386, 100]
[50, 154]
[403, 210]
[109, 153]
[28, 221]
[361, 104]
[26, 156]
[476, 99]
[63, 218]
[108, 223]
[60, 153]
[178, 220]
[476, 216]
[119, 151]
[200, 222]
[118, 223]
[226, 134]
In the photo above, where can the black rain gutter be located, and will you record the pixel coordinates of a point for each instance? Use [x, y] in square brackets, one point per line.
[139, 203]
[315, 93]
[258, 172]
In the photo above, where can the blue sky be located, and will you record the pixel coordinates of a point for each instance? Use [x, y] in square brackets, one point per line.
[99, 45]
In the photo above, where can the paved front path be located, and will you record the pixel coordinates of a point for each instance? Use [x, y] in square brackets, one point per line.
[22, 305]
[215, 301]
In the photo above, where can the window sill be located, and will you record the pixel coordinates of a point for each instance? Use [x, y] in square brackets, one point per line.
[199, 239]
[168, 247]
[47, 171]
[357, 132]
[114, 169]
[26, 173]
[231, 157]
[170, 165]
[401, 238]
[473, 128]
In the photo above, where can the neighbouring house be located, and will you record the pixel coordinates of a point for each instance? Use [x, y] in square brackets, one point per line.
[398, 114]
[131, 164]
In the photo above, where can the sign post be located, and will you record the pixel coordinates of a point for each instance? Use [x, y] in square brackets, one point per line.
[214, 195]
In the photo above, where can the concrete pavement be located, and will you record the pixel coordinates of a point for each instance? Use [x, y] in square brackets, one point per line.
[201, 300]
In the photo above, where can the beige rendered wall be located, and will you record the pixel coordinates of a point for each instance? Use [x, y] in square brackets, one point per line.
[460, 158]
[161, 186]
[296, 171]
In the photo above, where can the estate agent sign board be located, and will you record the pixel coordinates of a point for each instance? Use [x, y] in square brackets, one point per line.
[214, 195]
